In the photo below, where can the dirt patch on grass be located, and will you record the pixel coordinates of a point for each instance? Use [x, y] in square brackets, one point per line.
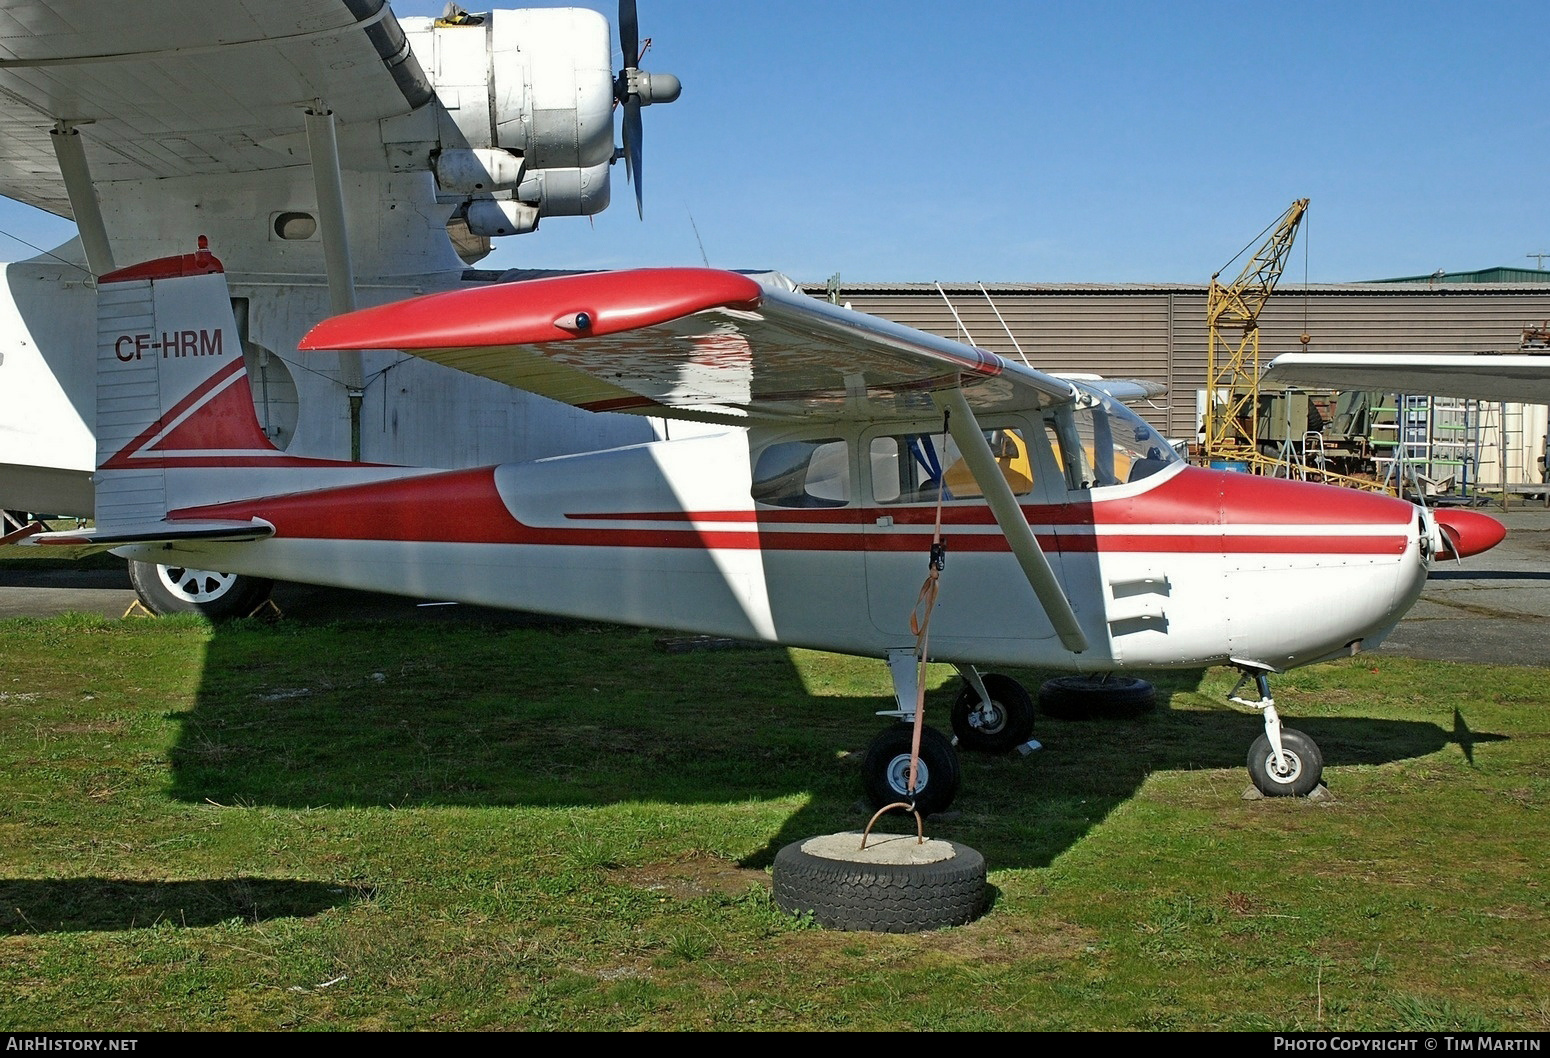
[693, 877]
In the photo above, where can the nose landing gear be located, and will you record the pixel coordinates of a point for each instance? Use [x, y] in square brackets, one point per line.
[1283, 762]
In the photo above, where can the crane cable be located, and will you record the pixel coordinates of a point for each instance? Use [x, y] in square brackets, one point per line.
[1305, 337]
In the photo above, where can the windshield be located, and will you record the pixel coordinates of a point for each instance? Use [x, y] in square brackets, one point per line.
[1100, 442]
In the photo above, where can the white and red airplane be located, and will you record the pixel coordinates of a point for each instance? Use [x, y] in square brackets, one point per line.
[1052, 526]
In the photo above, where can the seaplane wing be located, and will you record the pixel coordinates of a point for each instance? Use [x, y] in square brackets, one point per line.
[691, 343]
[172, 88]
[1522, 378]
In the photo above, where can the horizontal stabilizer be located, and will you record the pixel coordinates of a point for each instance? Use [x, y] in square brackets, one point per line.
[34, 542]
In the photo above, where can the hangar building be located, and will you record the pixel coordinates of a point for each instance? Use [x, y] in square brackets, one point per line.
[1158, 332]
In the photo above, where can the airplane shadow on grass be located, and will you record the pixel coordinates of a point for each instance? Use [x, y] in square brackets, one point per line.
[66, 905]
[463, 711]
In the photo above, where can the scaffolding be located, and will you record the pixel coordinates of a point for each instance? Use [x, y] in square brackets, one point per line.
[1432, 445]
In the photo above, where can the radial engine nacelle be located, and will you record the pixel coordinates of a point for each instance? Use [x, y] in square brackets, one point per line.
[526, 113]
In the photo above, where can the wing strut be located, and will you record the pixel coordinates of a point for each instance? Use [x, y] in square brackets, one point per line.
[323, 148]
[1009, 516]
[70, 152]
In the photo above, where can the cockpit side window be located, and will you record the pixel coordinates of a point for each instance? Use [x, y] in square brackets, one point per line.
[807, 473]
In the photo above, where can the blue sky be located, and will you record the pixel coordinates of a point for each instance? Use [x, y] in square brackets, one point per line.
[1106, 141]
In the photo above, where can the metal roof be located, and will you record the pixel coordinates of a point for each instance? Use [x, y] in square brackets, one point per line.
[1387, 288]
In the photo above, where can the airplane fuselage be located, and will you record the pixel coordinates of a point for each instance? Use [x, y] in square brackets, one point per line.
[1185, 566]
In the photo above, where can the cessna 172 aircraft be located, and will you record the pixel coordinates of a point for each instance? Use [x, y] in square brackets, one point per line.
[1052, 525]
[339, 156]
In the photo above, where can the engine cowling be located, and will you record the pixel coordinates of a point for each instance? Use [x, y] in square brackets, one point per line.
[526, 108]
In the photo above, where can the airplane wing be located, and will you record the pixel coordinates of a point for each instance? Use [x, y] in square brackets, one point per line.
[1522, 378]
[690, 343]
[170, 88]
[713, 346]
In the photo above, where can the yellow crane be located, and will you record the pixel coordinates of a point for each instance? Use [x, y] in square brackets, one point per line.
[1232, 349]
[1231, 424]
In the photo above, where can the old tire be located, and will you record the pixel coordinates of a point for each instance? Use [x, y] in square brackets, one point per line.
[1304, 768]
[853, 894]
[1096, 697]
[886, 769]
[1006, 724]
[165, 590]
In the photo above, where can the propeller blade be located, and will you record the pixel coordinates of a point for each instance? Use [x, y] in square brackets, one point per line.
[632, 149]
[629, 34]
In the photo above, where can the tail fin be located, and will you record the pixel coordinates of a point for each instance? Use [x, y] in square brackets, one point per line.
[177, 430]
[172, 390]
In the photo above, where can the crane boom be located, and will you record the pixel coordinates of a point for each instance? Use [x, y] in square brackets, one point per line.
[1232, 367]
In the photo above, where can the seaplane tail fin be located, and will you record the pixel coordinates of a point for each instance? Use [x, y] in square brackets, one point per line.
[174, 410]
[172, 389]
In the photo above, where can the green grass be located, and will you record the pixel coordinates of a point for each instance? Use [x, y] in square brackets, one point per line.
[446, 826]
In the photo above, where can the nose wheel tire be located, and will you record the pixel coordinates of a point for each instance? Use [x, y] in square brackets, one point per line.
[164, 590]
[998, 727]
[1298, 776]
[886, 769]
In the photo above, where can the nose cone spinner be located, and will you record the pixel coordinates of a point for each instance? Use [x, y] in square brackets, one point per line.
[1467, 533]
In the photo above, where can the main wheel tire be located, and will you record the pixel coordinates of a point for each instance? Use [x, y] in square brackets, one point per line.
[1304, 765]
[1096, 697]
[1002, 726]
[855, 894]
[886, 769]
[165, 590]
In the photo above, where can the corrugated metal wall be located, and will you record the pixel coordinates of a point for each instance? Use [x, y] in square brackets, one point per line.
[1159, 333]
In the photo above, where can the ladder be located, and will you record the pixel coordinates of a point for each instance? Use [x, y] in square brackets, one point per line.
[1314, 456]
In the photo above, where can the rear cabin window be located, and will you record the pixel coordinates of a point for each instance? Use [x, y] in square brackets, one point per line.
[915, 468]
[812, 473]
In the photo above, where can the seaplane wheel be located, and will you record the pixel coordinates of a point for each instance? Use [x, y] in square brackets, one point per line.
[165, 590]
[1303, 771]
[1006, 724]
[886, 769]
[896, 884]
[1090, 697]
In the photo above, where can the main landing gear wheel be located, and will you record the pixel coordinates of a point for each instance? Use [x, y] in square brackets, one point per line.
[886, 769]
[1088, 697]
[1299, 776]
[897, 884]
[1000, 726]
[165, 590]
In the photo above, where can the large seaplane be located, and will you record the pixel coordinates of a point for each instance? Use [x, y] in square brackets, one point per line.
[853, 485]
[340, 156]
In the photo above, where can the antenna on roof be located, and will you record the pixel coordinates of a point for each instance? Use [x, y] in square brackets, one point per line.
[1004, 327]
[967, 337]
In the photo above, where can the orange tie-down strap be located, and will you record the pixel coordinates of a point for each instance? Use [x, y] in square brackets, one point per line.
[920, 626]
